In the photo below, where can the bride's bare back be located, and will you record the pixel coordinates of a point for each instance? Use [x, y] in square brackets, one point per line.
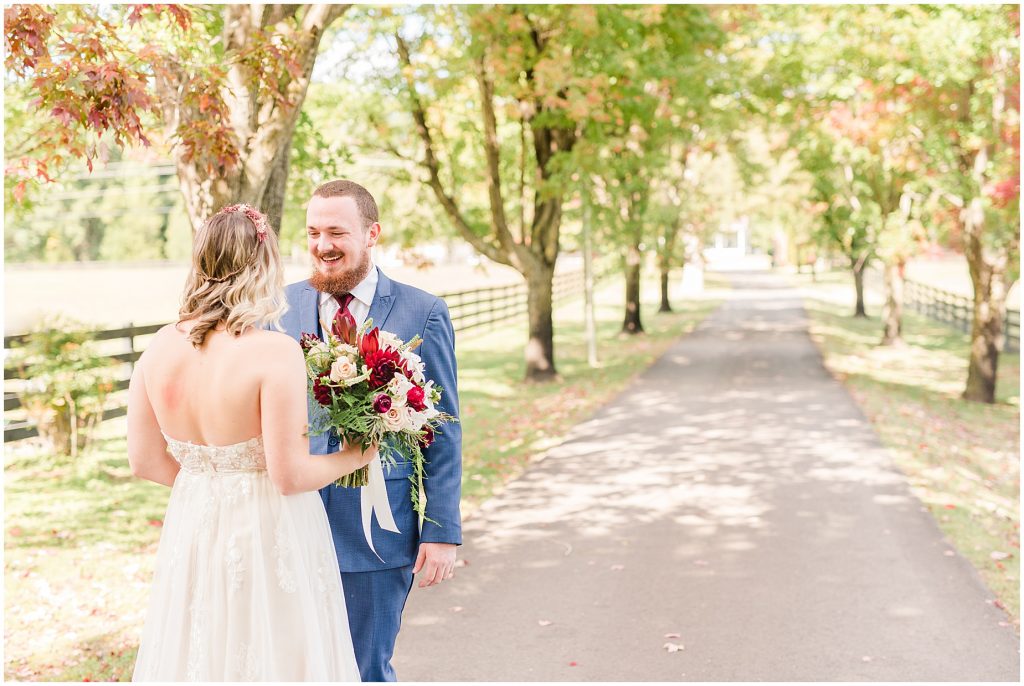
[211, 395]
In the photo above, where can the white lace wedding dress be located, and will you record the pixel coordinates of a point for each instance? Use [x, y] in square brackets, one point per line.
[247, 586]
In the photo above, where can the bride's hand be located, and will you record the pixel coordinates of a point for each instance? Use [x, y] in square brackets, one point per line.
[366, 457]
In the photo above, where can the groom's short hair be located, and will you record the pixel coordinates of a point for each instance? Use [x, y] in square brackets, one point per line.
[341, 188]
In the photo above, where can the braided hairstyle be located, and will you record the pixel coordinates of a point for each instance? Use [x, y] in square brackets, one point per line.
[236, 276]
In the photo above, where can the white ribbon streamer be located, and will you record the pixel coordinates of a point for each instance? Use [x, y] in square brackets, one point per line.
[373, 498]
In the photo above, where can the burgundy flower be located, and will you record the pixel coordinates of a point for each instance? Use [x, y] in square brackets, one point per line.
[321, 392]
[308, 340]
[428, 438]
[382, 403]
[415, 396]
[382, 373]
[382, 365]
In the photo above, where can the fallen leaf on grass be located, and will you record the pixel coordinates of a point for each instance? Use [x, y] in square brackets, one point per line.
[543, 622]
[673, 647]
[156, 522]
[999, 555]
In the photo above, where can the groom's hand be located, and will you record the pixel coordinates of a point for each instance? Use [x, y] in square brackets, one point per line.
[437, 560]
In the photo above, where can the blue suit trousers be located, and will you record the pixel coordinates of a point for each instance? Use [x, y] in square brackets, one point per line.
[375, 601]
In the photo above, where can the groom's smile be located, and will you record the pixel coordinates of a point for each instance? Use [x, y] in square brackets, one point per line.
[339, 239]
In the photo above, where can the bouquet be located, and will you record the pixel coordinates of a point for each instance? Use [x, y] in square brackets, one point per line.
[370, 388]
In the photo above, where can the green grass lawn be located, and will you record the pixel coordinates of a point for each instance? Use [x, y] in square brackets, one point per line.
[80, 539]
[962, 459]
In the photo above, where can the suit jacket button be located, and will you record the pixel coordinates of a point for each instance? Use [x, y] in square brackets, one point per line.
[332, 442]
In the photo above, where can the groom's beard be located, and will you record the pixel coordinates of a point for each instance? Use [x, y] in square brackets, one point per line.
[344, 281]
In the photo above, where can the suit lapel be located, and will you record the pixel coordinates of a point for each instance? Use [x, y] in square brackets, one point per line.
[383, 301]
[309, 311]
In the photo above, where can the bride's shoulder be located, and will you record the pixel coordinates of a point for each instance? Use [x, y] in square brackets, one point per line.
[164, 335]
[274, 341]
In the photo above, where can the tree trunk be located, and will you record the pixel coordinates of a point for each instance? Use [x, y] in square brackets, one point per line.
[165, 224]
[892, 313]
[540, 349]
[665, 306]
[988, 274]
[272, 203]
[859, 266]
[94, 231]
[631, 322]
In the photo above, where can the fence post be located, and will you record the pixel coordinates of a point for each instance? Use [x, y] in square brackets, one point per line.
[131, 344]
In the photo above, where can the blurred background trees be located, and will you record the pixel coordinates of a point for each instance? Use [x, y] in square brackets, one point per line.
[861, 135]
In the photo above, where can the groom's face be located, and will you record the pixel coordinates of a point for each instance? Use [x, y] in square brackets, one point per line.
[339, 243]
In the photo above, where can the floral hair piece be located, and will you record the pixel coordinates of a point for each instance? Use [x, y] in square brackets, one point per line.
[255, 216]
[262, 225]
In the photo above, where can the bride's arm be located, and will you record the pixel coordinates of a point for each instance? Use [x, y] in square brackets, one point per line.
[284, 418]
[147, 449]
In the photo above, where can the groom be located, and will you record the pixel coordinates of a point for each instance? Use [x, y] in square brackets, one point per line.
[341, 229]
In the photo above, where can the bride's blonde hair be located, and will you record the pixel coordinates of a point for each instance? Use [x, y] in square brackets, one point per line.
[236, 276]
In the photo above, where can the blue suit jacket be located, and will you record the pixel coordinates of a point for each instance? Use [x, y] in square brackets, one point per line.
[404, 311]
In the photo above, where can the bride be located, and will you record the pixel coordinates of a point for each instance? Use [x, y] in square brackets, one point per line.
[247, 586]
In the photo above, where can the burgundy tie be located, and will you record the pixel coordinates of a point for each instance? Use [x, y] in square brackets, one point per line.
[343, 315]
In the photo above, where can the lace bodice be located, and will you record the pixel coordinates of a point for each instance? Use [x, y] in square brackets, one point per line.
[196, 458]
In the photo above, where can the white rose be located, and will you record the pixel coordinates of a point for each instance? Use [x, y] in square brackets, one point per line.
[395, 418]
[346, 349]
[418, 378]
[343, 369]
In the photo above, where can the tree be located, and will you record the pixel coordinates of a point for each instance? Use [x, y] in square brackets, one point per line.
[968, 97]
[952, 72]
[667, 70]
[885, 156]
[494, 96]
[224, 85]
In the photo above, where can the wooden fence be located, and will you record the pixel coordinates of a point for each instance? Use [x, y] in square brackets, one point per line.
[956, 310]
[471, 311]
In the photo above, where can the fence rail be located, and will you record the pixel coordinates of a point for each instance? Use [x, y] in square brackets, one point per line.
[955, 309]
[470, 311]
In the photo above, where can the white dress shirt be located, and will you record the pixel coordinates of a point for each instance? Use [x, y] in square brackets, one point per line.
[362, 298]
